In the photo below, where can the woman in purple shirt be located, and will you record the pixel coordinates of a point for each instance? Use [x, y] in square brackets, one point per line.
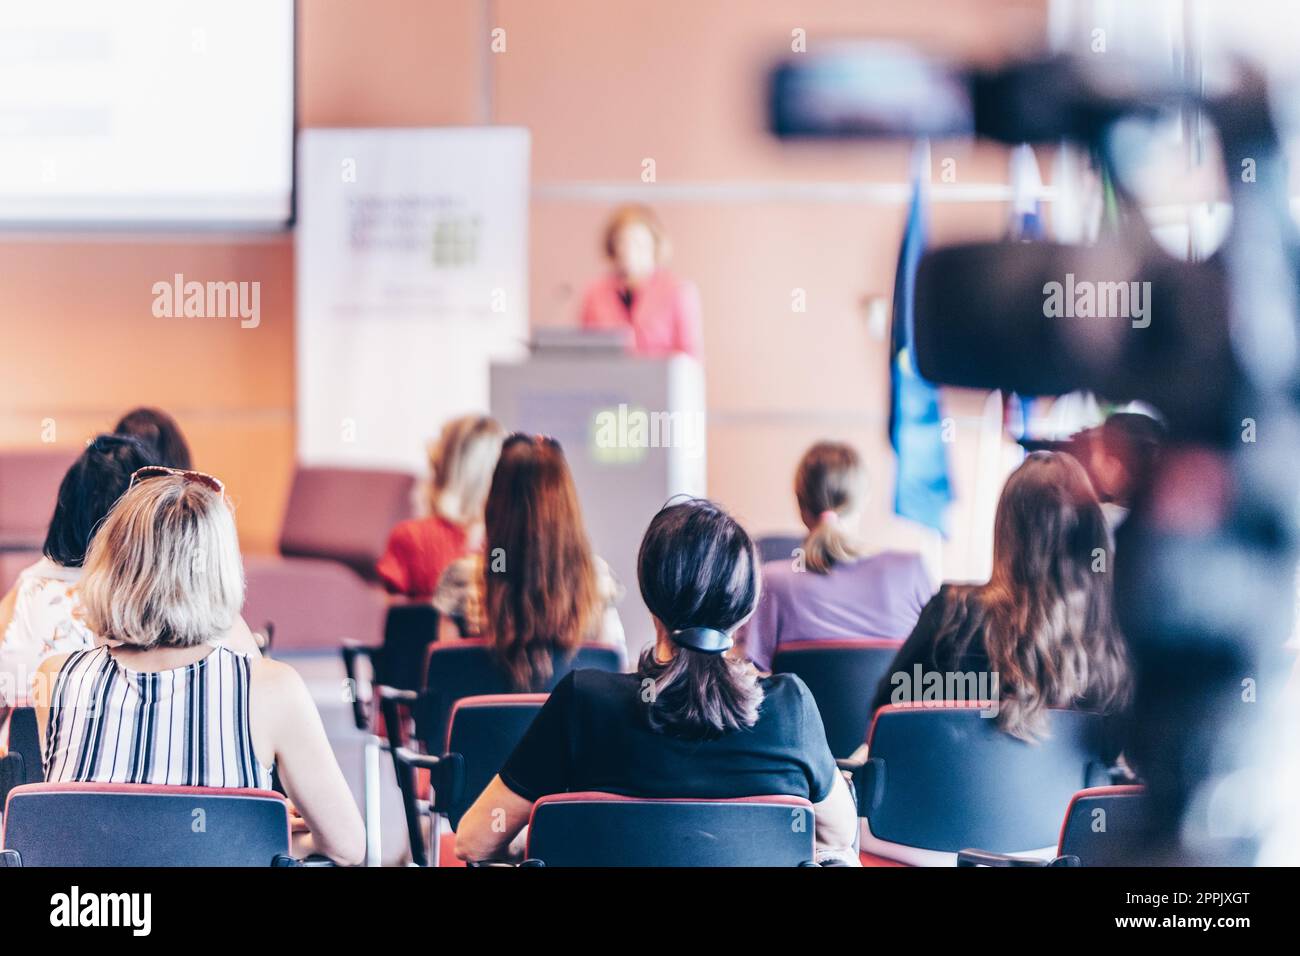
[829, 588]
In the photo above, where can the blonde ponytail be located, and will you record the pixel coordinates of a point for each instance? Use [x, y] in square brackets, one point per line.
[830, 482]
[828, 544]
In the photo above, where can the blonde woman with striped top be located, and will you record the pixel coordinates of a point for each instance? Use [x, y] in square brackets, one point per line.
[161, 702]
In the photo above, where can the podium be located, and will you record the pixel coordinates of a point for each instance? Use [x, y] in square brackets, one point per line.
[633, 432]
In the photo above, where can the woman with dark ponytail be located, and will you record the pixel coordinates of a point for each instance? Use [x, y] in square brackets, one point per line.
[698, 691]
[695, 720]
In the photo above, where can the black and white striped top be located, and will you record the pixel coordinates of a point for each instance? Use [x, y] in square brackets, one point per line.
[188, 726]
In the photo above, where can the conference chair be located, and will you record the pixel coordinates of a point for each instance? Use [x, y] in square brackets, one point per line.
[481, 733]
[321, 588]
[13, 773]
[465, 668]
[777, 547]
[1103, 827]
[940, 778]
[115, 825]
[398, 663]
[468, 668]
[23, 761]
[842, 675]
[604, 829]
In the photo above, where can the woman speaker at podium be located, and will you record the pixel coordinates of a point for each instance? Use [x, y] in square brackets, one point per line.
[639, 294]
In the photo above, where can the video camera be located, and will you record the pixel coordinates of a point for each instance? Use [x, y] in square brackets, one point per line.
[1205, 566]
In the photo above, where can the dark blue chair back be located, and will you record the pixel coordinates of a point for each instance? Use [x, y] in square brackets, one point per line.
[603, 829]
[946, 778]
[97, 824]
[482, 732]
[1104, 826]
[778, 547]
[22, 763]
[409, 629]
[842, 674]
[25, 740]
[468, 669]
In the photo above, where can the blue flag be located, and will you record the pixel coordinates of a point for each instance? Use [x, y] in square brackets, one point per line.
[922, 491]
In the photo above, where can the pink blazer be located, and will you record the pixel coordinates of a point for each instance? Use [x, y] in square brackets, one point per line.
[665, 316]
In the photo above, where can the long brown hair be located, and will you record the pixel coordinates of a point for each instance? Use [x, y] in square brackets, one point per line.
[829, 484]
[1050, 629]
[540, 589]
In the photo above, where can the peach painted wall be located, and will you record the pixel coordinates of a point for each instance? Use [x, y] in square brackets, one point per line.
[602, 86]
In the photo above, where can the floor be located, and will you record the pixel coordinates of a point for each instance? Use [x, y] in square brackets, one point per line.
[325, 679]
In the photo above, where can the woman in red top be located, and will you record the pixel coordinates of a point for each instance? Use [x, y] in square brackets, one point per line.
[639, 294]
[462, 461]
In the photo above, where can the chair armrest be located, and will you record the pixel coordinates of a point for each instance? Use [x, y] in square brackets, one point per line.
[446, 775]
[409, 758]
[396, 707]
[352, 651]
[406, 762]
[985, 858]
[10, 858]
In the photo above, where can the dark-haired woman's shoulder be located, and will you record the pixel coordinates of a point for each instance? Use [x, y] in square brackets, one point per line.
[603, 702]
[786, 696]
[594, 680]
[955, 615]
[601, 689]
[959, 598]
[783, 687]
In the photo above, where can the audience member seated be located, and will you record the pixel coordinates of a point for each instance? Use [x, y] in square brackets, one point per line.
[41, 614]
[1042, 630]
[1122, 456]
[460, 463]
[162, 701]
[832, 589]
[693, 721]
[537, 587]
[160, 432]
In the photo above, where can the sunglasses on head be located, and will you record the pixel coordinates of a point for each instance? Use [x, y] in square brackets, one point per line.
[162, 471]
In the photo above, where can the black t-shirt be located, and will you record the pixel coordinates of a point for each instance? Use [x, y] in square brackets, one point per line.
[592, 734]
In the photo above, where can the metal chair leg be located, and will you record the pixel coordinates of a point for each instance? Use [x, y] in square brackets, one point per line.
[374, 835]
[435, 838]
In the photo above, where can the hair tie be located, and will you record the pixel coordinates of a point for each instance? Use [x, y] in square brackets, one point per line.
[828, 517]
[706, 640]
